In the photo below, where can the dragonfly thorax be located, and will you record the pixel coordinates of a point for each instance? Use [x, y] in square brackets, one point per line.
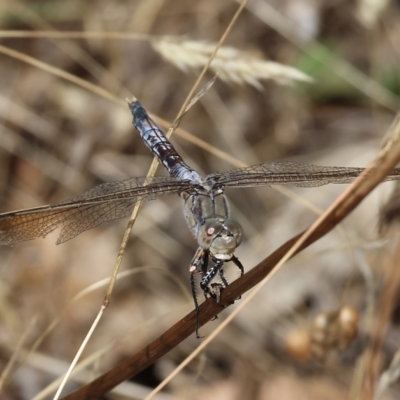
[220, 237]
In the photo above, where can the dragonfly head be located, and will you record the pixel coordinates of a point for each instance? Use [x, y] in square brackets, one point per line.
[221, 237]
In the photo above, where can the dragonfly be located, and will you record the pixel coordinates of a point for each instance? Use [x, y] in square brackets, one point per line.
[206, 207]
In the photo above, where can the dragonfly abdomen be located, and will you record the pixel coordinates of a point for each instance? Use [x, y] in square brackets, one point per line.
[160, 146]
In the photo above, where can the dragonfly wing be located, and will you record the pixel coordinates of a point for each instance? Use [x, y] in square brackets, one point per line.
[289, 173]
[88, 217]
[31, 224]
[105, 202]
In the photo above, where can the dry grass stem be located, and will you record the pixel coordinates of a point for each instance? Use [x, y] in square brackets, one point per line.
[80, 351]
[231, 65]
[50, 34]
[87, 363]
[193, 101]
[60, 73]
[96, 286]
[211, 57]
[16, 354]
[388, 377]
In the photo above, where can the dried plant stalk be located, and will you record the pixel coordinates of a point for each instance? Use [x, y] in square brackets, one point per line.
[388, 377]
[230, 64]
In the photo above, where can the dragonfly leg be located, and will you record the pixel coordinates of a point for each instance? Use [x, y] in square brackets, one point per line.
[214, 289]
[222, 277]
[209, 276]
[199, 262]
[236, 261]
[204, 268]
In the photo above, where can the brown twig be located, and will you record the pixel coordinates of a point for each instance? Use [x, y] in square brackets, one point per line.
[382, 165]
[180, 331]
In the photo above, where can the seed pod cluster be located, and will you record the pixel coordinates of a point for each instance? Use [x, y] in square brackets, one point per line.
[329, 330]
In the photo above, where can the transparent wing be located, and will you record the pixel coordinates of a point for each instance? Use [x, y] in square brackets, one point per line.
[289, 173]
[103, 203]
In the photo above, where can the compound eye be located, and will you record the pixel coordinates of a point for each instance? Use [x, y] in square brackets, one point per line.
[234, 228]
[207, 232]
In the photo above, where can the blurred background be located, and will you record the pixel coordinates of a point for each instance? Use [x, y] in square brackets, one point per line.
[327, 325]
